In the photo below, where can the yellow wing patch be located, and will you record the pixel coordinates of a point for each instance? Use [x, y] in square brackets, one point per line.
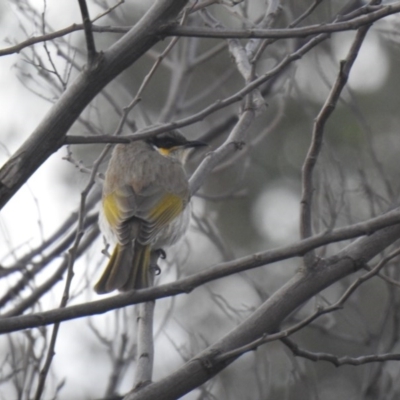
[169, 207]
[111, 210]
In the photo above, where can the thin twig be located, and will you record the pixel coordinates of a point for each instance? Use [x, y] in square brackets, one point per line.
[87, 26]
[44, 287]
[293, 24]
[372, 14]
[178, 85]
[220, 104]
[29, 274]
[71, 256]
[316, 141]
[305, 14]
[22, 262]
[235, 141]
[108, 11]
[338, 361]
[243, 65]
[269, 338]
[369, 15]
[319, 312]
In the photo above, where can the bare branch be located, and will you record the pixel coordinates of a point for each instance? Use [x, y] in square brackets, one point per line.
[373, 13]
[338, 361]
[283, 335]
[317, 136]
[87, 26]
[268, 316]
[145, 348]
[235, 141]
[30, 300]
[145, 352]
[186, 285]
[51, 132]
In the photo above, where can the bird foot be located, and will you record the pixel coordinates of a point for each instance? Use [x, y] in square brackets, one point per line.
[156, 269]
[161, 254]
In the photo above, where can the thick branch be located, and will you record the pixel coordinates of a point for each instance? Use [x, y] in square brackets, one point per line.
[268, 316]
[49, 135]
[188, 284]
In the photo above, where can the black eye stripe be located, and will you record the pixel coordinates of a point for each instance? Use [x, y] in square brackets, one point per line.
[164, 143]
[168, 141]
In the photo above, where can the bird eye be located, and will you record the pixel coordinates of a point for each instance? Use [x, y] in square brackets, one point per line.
[166, 143]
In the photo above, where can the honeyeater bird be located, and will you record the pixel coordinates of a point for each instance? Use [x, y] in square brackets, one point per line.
[145, 206]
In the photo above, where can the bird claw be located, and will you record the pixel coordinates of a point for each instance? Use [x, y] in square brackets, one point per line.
[161, 254]
[157, 270]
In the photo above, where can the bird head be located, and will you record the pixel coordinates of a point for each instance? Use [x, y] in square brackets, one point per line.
[173, 144]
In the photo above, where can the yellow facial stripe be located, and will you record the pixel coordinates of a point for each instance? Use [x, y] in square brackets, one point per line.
[169, 206]
[111, 210]
[164, 152]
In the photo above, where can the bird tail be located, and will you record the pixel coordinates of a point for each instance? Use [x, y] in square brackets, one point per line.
[127, 269]
[139, 273]
[116, 273]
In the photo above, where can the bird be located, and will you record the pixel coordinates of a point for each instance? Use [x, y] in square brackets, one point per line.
[145, 206]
